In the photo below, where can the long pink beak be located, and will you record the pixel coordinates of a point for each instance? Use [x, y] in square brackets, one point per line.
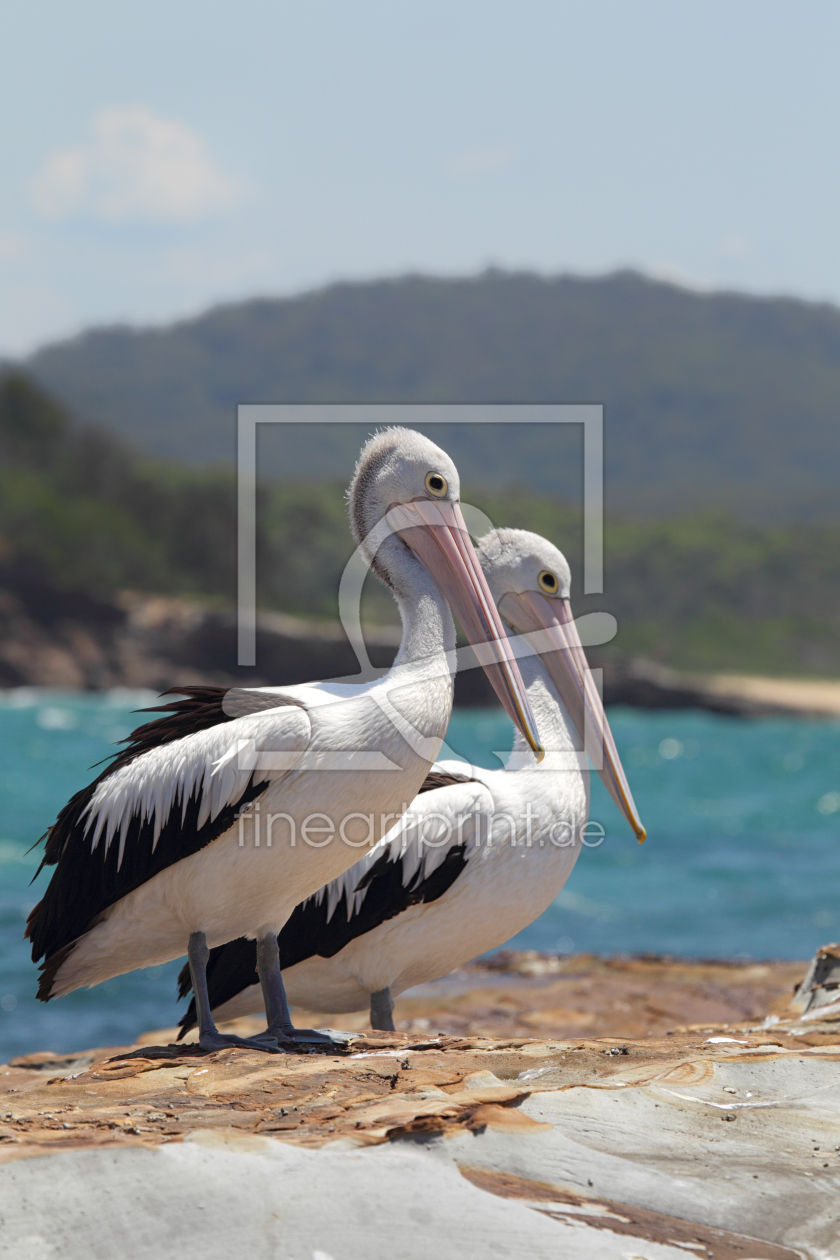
[437, 533]
[562, 651]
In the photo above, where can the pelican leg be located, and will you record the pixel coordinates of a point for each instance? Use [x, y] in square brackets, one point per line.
[280, 1023]
[382, 1010]
[274, 991]
[209, 1037]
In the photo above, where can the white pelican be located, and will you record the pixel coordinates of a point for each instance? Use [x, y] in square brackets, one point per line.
[154, 858]
[454, 877]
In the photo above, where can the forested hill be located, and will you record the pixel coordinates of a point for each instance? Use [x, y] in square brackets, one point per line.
[712, 399]
[83, 520]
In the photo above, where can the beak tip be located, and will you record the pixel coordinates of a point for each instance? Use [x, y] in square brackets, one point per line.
[641, 834]
[539, 753]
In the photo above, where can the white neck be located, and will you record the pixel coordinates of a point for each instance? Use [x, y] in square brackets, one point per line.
[428, 628]
[557, 732]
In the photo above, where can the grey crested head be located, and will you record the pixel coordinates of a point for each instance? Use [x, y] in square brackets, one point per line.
[396, 466]
[515, 561]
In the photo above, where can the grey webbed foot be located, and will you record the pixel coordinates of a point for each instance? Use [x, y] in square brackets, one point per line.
[277, 1008]
[310, 1036]
[221, 1041]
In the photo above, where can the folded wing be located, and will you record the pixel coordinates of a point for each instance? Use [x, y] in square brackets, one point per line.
[176, 787]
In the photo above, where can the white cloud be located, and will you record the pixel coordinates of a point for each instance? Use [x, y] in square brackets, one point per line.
[135, 165]
[485, 161]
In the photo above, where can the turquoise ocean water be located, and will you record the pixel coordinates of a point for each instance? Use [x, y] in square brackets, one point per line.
[742, 857]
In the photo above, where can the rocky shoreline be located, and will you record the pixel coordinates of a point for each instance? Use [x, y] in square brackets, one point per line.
[626, 1134]
[53, 639]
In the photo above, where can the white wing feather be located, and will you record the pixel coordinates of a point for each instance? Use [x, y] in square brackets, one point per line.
[437, 822]
[206, 763]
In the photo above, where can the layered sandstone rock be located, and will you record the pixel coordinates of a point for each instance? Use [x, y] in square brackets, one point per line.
[720, 1139]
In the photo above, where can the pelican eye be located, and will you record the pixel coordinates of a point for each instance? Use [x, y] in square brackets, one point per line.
[436, 484]
[548, 582]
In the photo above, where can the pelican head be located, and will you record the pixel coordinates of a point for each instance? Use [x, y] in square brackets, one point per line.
[530, 581]
[404, 508]
[396, 466]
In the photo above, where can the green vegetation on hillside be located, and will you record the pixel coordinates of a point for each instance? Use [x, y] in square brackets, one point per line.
[80, 511]
[711, 400]
[706, 591]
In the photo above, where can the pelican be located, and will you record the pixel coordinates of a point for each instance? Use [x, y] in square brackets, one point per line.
[219, 818]
[480, 854]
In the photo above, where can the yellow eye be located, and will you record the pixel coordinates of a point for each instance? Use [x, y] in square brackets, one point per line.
[548, 582]
[436, 485]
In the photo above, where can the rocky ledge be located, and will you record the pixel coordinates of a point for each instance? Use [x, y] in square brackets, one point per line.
[718, 1139]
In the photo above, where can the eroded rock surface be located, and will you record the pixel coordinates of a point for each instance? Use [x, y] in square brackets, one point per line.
[719, 1140]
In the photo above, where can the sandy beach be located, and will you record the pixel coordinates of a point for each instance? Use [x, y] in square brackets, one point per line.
[820, 697]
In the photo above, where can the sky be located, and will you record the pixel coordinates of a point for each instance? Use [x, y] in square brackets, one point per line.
[160, 158]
